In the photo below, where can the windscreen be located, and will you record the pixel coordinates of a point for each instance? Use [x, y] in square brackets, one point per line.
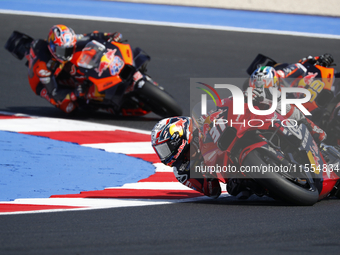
[91, 55]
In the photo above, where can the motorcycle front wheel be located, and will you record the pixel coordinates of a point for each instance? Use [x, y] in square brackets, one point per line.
[276, 183]
[158, 100]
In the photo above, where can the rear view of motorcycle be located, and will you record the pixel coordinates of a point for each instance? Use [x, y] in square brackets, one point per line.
[115, 78]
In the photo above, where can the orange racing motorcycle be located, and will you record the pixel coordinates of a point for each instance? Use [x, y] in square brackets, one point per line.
[322, 81]
[115, 78]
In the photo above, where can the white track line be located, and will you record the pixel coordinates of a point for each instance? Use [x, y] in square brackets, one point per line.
[42, 124]
[125, 148]
[160, 167]
[171, 24]
[153, 185]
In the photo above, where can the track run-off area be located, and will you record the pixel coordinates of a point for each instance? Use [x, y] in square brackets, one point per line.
[45, 175]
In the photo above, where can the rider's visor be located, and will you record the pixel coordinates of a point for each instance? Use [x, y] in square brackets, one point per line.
[163, 151]
[65, 53]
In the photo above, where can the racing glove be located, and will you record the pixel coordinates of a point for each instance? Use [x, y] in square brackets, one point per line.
[116, 36]
[258, 95]
[325, 60]
[95, 35]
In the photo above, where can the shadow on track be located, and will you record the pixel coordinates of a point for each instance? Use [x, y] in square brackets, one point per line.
[79, 114]
[254, 201]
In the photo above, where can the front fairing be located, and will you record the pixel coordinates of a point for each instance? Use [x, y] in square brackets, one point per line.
[110, 67]
[103, 63]
[212, 129]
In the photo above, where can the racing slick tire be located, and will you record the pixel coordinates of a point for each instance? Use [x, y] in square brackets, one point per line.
[158, 100]
[279, 186]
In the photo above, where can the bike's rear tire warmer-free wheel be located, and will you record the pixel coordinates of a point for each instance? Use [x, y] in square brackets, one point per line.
[159, 101]
[279, 186]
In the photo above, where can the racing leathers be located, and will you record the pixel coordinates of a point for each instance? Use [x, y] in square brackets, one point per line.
[241, 187]
[292, 73]
[61, 84]
[206, 184]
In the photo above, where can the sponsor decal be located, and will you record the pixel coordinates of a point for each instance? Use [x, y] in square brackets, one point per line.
[73, 70]
[137, 76]
[116, 65]
[105, 61]
[45, 80]
[73, 97]
[309, 78]
[43, 93]
[70, 107]
[110, 61]
[44, 73]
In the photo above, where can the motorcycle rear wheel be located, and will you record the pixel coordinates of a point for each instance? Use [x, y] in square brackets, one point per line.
[278, 185]
[158, 100]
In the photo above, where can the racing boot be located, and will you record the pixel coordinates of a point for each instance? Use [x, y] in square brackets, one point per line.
[244, 188]
[236, 188]
[211, 188]
[336, 190]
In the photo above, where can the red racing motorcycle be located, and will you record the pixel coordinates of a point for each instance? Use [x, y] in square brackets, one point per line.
[277, 157]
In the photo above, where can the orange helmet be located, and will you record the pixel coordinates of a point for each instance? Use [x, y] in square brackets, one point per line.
[62, 42]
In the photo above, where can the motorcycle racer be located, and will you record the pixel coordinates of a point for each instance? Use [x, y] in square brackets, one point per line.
[298, 70]
[181, 142]
[265, 78]
[175, 142]
[51, 73]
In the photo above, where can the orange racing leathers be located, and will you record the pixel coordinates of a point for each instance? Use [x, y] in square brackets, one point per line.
[50, 79]
[59, 83]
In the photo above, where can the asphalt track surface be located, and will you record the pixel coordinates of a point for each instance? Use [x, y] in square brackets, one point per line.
[255, 226]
